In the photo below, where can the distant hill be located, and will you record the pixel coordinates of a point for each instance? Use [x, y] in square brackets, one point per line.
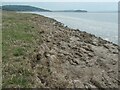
[31, 8]
[71, 11]
[80, 11]
[22, 8]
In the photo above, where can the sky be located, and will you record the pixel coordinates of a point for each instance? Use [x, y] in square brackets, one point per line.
[89, 6]
[59, 0]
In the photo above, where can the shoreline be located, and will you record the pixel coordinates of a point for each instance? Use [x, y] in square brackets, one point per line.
[67, 27]
[103, 36]
[41, 52]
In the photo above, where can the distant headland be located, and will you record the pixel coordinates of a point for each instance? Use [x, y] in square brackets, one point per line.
[32, 8]
[22, 8]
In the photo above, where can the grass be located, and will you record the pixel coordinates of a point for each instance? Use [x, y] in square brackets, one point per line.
[18, 40]
[18, 51]
[18, 80]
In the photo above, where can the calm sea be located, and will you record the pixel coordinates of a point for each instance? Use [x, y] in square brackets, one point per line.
[103, 25]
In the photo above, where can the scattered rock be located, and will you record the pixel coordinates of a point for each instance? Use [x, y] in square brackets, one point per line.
[38, 57]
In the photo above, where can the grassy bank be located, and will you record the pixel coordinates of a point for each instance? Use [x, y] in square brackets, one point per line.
[20, 33]
[41, 52]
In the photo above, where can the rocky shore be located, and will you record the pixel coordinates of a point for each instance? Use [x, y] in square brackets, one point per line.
[74, 59]
[66, 58]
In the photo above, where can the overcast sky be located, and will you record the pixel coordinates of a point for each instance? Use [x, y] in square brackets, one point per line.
[60, 0]
[112, 5]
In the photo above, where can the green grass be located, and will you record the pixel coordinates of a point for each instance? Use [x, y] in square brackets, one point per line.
[18, 80]
[18, 51]
[18, 40]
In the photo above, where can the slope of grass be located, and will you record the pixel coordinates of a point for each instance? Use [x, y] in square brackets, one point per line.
[18, 39]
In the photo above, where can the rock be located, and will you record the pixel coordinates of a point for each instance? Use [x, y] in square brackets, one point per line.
[38, 57]
[89, 86]
[90, 54]
[76, 61]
